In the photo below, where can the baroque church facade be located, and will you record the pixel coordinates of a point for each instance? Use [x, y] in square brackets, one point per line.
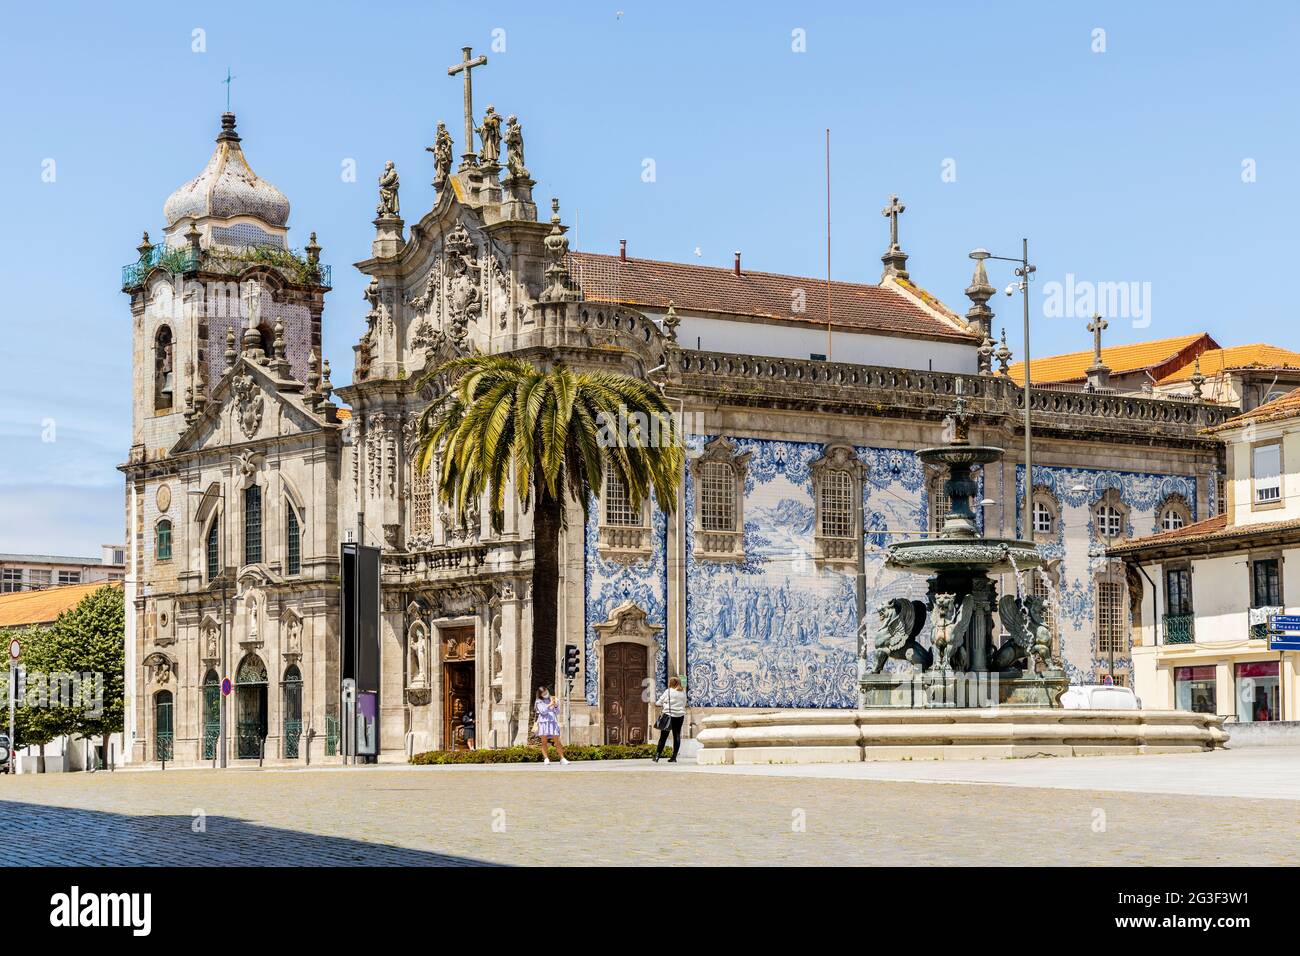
[803, 404]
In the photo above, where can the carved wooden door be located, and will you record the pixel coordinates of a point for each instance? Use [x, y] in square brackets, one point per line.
[458, 700]
[626, 712]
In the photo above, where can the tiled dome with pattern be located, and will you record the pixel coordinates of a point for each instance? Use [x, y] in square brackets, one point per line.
[227, 187]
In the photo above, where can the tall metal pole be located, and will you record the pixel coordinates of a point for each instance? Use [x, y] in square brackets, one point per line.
[221, 695]
[1026, 528]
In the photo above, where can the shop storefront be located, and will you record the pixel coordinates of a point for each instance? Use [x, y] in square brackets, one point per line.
[1257, 684]
[1194, 689]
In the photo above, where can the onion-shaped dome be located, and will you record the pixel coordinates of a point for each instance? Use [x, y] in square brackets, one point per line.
[227, 187]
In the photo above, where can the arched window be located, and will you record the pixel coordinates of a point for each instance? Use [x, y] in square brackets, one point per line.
[1173, 514]
[717, 496]
[211, 713]
[719, 477]
[291, 688]
[836, 499]
[164, 376]
[292, 541]
[837, 478]
[212, 548]
[252, 524]
[1110, 517]
[162, 536]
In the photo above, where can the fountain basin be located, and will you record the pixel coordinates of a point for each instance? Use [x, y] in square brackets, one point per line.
[978, 555]
[853, 736]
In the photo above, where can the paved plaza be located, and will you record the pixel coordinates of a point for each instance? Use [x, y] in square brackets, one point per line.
[1234, 807]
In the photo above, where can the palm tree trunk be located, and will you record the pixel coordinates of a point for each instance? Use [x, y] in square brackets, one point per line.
[546, 587]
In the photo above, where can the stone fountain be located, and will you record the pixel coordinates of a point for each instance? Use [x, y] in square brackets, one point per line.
[967, 663]
[972, 691]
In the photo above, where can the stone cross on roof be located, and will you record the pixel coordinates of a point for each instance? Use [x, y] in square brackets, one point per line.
[468, 158]
[891, 212]
[1098, 372]
[895, 259]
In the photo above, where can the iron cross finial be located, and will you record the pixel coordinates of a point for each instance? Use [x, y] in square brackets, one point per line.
[229, 78]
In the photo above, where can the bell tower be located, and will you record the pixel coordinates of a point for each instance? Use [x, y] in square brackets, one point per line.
[222, 264]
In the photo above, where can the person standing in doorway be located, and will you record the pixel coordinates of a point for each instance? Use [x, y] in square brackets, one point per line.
[467, 721]
[548, 724]
[673, 704]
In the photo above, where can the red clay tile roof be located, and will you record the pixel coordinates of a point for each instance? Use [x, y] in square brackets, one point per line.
[1259, 355]
[695, 288]
[1160, 357]
[1287, 406]
[1209, 530]
[24, 608]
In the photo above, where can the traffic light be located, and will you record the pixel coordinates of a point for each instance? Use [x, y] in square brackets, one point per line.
[570, 661]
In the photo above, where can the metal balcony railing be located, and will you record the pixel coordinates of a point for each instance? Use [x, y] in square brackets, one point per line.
[1180, 629]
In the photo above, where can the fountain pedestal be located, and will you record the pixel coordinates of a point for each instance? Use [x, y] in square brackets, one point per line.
[961, 689]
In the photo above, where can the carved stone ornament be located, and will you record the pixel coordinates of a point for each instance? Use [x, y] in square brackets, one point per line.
[464, 279]
[250, 404]
[291, 629]
[159, 669]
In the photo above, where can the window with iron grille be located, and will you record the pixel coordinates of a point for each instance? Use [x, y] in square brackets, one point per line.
[1221, 494]
[11, 579]
[618, 506]
[1112, 635]
[213, 546]
[252, 525]
[293, 541]
[837, 504]
[940, 505]
[162, 541]
[421, 499]
[69, 577]
[717, 496]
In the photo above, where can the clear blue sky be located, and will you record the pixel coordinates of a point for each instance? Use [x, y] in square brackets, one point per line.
[1119, 166]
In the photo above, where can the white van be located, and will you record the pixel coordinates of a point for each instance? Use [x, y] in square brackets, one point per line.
[1100, 697]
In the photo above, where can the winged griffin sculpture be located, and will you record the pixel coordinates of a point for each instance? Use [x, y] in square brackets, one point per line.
[1030, 637]
[900, 621]
[951, 622]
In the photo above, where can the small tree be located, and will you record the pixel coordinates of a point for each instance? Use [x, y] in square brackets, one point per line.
[88, 639]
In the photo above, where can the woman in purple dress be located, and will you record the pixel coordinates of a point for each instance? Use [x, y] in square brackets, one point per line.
[548, 724]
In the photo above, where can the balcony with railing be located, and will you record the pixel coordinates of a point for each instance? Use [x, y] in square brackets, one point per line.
[1180, 629]
[178, 260]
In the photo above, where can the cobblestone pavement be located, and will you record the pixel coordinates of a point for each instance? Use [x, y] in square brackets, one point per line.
[635, 813]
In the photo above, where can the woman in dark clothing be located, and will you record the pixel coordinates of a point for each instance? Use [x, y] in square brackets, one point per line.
[673, 702]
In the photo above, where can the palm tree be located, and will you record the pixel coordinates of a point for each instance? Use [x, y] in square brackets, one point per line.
[547, 433]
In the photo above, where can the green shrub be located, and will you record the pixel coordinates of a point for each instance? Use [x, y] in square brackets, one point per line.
[534, 754]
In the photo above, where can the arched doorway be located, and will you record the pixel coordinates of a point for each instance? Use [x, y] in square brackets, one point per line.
[211, 714]
[162, 725]
[291, 688]
[250, 707]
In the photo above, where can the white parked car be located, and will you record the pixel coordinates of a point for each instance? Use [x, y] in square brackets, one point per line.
[1100, 697]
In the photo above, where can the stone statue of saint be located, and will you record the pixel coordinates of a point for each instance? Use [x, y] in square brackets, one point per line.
[441, 150]
[515, 149]
[490, 134]
[388, 183]
[210, 644]
[417, 671]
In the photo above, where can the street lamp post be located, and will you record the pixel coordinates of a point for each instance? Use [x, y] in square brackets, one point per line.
[1025, 272]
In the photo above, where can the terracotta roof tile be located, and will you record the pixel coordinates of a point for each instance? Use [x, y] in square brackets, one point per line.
[1135, 357]
[1286, 406]
[696, 288]
[1235, 357]
[1209, 530]
[24, 608]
